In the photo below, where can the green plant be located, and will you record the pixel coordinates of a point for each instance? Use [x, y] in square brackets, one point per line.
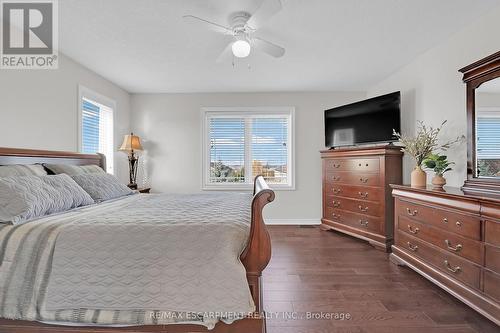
[438, 163]
[425, 142]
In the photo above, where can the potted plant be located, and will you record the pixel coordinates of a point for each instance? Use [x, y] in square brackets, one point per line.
[439, 164]
[421, 146]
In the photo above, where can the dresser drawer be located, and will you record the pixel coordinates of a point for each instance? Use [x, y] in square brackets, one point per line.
[492, 232]
[353, 164]
[352, 205]
[344, 177]
[491, 283]
[456, 267]
[450, 242]
[492, 257]
[465, 225]
[374, 194]
[358, 221]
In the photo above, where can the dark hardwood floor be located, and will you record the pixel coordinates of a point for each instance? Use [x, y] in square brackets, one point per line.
[322, 271]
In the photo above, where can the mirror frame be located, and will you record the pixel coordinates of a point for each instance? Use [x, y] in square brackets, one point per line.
[474, 75]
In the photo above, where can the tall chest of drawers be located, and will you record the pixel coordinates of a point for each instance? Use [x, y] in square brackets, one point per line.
[356, 193]
[453, 240]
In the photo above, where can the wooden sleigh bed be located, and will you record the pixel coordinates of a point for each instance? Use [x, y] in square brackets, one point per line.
[255, 256]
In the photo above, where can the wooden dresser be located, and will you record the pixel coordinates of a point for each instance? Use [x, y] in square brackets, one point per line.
[452, 239]
[356, 193]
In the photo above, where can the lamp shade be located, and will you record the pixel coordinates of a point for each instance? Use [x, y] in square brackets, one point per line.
[130, 143]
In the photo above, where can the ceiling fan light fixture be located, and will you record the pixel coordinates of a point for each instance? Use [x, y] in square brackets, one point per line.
[241, 48]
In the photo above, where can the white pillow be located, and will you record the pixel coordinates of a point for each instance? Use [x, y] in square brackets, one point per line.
[73, 170]
[24, 198]
[102, 186]
[22, 170]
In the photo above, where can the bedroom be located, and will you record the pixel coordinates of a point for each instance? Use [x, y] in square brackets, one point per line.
[208, 115]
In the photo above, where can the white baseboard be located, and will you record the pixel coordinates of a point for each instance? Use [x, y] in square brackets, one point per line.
[293, 221]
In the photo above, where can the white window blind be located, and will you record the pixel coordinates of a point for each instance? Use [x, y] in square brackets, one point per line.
[488, 137]
[227, 150]
[269, 151]
[488, 142]
[97, 130]
[243, 144]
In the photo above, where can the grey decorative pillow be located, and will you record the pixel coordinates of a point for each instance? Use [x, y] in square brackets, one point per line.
[102, 186]
[73, 170]
[24, 198]
[22, 170]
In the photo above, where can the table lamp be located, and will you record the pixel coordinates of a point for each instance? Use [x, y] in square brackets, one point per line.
[131, 144]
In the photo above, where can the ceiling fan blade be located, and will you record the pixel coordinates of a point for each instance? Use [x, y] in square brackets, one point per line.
[211, 25]
[268, 47]
[225, 55]
[267, 9]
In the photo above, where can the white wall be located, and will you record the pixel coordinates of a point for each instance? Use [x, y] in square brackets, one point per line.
[488, 99]
[432, 88]
[171, 129]
[39, 108]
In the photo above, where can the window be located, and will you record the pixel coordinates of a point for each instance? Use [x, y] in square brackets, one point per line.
[242, 143]
[95, 130]
[488, 142]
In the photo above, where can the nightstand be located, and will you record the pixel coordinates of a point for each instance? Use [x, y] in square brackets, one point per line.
[144, 190]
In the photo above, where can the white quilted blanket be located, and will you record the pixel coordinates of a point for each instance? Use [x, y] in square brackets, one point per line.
[129, 261]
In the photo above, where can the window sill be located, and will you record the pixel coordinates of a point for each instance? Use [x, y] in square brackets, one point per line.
[245, 187]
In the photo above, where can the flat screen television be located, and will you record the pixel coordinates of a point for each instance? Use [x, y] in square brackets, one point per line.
[369, 121]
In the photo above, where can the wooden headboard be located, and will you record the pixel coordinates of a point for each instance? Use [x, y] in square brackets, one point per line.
[30, 156]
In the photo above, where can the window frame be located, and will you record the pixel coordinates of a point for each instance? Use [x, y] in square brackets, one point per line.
[89, 94]
[256, 112]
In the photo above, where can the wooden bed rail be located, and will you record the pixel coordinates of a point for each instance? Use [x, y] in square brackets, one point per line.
[257, 253]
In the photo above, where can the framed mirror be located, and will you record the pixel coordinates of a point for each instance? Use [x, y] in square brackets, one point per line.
[482, 79]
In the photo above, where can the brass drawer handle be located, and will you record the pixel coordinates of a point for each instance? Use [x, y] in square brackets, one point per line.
[458, 223]
[363, 195]
[336, 166]
[336, 203]
[364, 210]
[413, 231]
[451, 248]
[412, 247]
[336, 216]
[363, 180]
[452, 269]
[336, 178]
[411, 212]
[336, 191]
[363, 223]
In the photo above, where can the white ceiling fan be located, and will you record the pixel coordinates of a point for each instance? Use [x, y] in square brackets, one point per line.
[242, 26]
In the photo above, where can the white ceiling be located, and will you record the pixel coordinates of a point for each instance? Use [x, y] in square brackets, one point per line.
[145, 46]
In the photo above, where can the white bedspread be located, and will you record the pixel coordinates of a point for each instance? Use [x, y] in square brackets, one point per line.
[131, 262]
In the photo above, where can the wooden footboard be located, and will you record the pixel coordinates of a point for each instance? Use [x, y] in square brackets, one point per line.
[255, 257]
[257, 254]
